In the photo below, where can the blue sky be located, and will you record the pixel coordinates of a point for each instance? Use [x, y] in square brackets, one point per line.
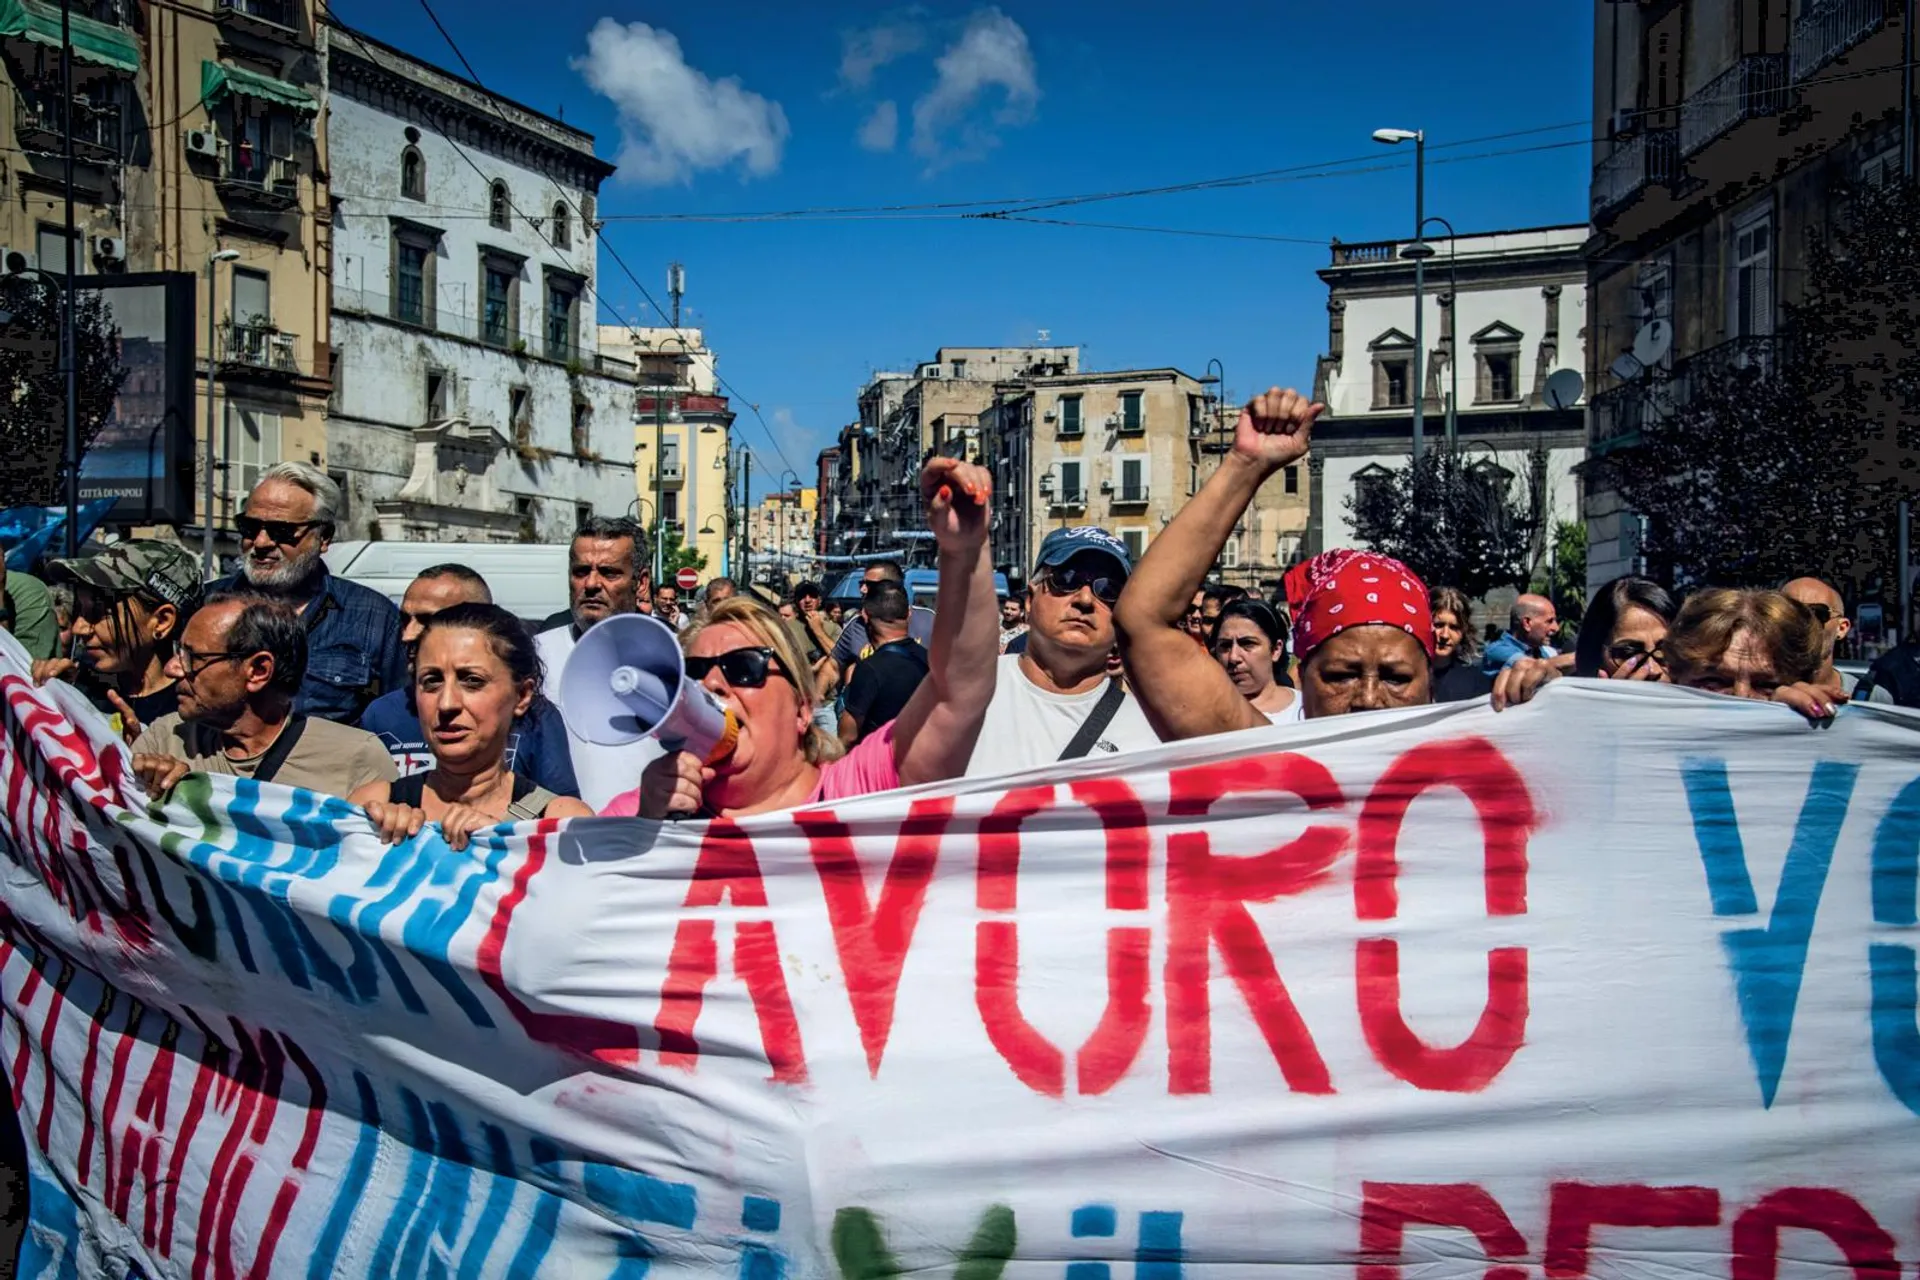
[732, 107]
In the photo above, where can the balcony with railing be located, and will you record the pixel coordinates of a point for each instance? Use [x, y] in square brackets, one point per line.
[258, 346]
[1750, 89]
[1129, 495]
[1828, 28]
[1358, 255]
[40, 123]
[251, 177]
[1648, 158]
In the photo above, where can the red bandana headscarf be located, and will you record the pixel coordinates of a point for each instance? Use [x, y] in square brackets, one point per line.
[1340, 589]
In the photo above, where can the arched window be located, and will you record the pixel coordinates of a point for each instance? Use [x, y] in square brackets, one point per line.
[562, 232]
[499, 208]
[413, 174]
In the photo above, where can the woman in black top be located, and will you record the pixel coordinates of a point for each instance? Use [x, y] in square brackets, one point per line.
[1456, 655]
[475, 672]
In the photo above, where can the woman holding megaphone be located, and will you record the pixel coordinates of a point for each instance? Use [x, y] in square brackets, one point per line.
[744, 654]
[475, 673]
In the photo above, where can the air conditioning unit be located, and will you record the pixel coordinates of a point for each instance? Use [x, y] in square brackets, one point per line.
[1106, 486]
[12, 260]
[1046, 483]
[110, 248]
[1050, 415]
[203, 142]
[1113, 420]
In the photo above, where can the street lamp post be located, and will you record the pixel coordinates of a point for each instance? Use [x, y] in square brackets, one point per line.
[1418, 250]
[1418, 137]
[786, 499]
[206, 531]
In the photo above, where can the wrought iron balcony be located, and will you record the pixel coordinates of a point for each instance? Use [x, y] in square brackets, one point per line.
[1828, 28]
[1649, 158]
[1129, 495]
[271, 182]
[257, 345]
[40, 123]
[1753, 87]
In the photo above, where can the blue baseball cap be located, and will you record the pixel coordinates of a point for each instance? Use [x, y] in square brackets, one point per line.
[1063, 545]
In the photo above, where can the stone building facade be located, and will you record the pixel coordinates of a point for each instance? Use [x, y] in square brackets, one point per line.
[471, 398]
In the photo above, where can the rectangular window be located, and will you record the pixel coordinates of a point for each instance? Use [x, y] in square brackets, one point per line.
[1136, 542]
[496, 321]
[560, 343]
[436, 395]
[1500, 379]
[1293, 478]
[252, 298]
[1230, 553]
[410, 293]
[1070, 416]
[959, 368]
[670, 459]
[582, 512]
[50, 248]
[256, 445]
[670, 506]
[517, 416]
[1752, 284]
[1069, 491]
[1132, 416]
[1132, 486]
[1397, 373]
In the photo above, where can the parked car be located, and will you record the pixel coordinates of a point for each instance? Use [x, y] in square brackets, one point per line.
[530, 579]
[922, 586]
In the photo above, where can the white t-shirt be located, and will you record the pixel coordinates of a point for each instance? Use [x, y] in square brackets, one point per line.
[1292, 713]
[1027, 727]
[603, 772]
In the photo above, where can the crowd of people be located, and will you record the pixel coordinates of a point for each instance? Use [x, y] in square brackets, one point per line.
[448, 709]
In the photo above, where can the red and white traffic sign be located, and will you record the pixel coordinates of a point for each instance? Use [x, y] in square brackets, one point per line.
[687, 579]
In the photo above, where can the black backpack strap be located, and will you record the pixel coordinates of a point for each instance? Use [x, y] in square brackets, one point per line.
[276, 755]
[1096, 722]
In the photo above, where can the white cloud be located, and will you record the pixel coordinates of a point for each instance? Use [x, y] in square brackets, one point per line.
[882, 128]
[674, 120]
[864, 52]
[791, 438]
[992, 53]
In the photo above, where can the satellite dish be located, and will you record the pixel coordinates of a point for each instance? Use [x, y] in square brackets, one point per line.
[1564, 387]
[1626, 368]
[1651, 344]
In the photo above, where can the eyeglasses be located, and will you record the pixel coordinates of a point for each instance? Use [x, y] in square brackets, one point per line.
[1621, 652]
[741, 668]
[1823, 612]
[195, 663]
[285, 532]
[1064, 580]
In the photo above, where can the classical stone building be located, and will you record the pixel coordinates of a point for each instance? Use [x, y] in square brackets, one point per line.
[472, 400]
[1505, 310]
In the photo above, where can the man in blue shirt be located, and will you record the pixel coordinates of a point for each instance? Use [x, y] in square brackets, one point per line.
[354, 652]
[1530, 624]
[536, 749]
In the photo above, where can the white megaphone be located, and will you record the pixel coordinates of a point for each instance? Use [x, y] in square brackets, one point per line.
[626, 680]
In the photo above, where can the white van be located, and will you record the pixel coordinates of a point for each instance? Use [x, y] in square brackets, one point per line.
[530, 579]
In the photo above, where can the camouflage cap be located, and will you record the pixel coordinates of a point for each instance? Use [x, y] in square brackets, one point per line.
[165, 570]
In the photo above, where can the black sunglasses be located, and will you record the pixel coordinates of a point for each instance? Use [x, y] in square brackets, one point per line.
[285, 532]
[1064, 580]
[1823, 612]
[741, 668]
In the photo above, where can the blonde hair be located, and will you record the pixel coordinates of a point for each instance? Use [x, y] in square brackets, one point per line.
[771, 630]
[1454, 601]
[1710, 619]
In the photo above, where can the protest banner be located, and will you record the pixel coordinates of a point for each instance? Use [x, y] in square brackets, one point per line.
[1622, 982]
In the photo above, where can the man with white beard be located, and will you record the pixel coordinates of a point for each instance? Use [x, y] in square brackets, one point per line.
[354, 652]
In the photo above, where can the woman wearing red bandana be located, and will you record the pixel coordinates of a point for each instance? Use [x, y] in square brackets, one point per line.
[1363, 628]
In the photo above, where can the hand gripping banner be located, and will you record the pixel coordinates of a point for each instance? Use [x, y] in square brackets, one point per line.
[1619, 983]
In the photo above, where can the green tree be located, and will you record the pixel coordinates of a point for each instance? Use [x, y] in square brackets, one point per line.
[676, 555]
[1454, 520]
[33, 391]
[1563, 579]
